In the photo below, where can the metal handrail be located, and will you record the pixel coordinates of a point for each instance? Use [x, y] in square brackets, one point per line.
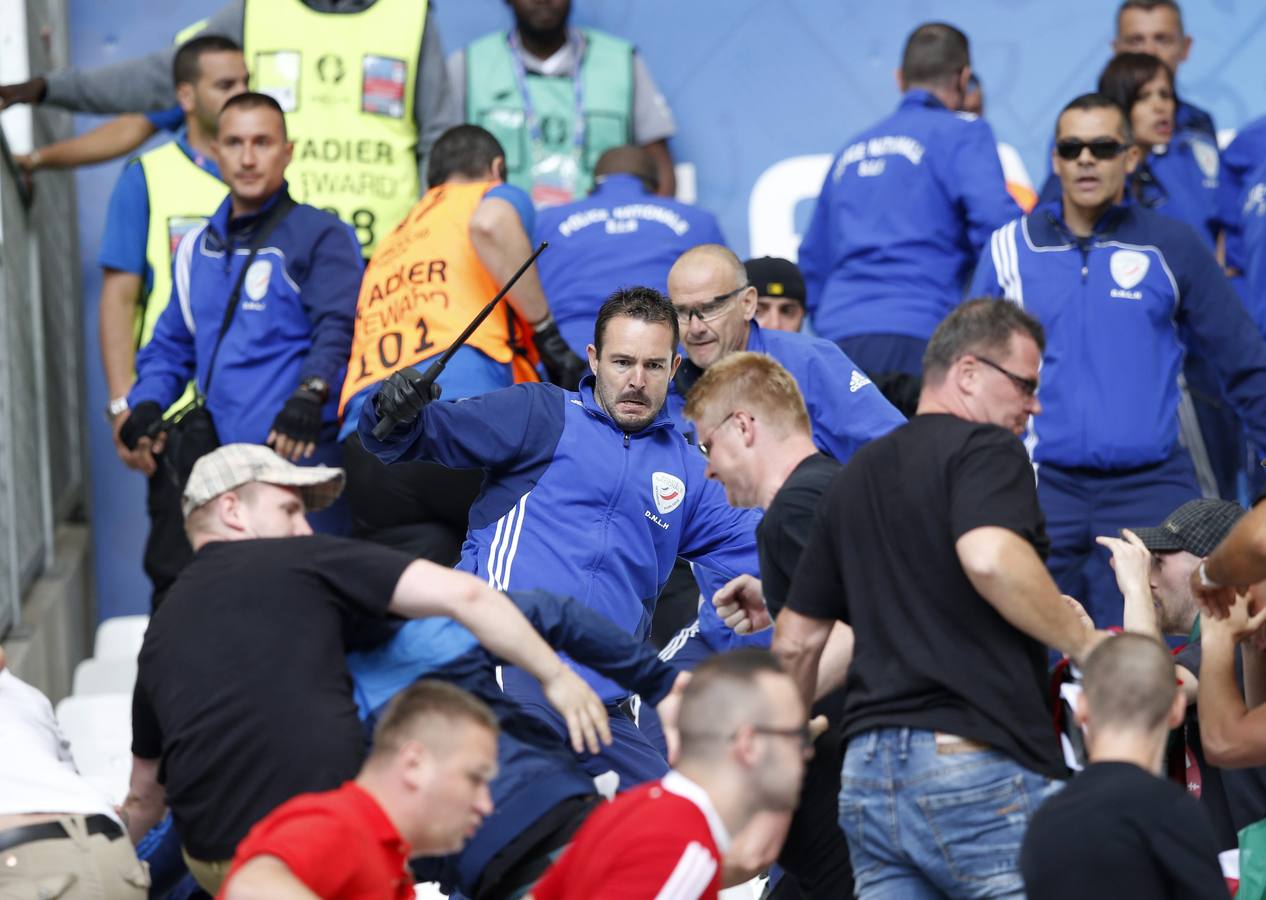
[19, 177]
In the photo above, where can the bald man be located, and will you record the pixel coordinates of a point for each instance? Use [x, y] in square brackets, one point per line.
[744, 740]
[621, 234]
[716, 309]
[1119, 829]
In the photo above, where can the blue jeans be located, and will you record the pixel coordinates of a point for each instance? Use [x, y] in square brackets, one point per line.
[928, 821]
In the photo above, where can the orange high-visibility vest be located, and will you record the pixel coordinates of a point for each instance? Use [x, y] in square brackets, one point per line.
[423, 286]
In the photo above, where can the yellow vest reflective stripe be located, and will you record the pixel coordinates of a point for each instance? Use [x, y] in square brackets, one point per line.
[423, 286]
[182, 195]
[346, 83]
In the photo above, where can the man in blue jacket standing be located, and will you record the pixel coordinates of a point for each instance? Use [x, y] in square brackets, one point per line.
[903, 213]
[1113, 283]
[621, 234]
[290, 336]
[591, 493]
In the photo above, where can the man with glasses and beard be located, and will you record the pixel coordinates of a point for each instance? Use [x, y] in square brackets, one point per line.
[1113, 284]
[590, 493]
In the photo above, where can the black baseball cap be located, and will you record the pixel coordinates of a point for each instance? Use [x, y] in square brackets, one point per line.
[774, 277]
[1197, 527]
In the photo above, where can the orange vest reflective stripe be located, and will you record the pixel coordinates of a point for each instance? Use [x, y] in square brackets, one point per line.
[423, 286]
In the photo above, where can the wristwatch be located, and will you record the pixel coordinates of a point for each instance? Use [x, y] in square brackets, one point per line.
[317, 385]
[114, 407]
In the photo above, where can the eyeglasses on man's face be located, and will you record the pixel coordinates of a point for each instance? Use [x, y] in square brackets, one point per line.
[705, 447]
[708, 311]
[1027, 386]
[1100, 148]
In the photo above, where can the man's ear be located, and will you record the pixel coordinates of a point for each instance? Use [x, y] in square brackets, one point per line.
[900, 79]
[185, 96]
[1177, 710]
[1082, 713]
[1132, 159]
[592, 352]
[499, 168]
[672, 370]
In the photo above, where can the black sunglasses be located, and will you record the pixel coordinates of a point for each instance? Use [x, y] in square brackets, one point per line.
[1103, 148]
[1027, 386]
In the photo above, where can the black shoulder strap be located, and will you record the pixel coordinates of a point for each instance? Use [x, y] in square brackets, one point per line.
[262, 231]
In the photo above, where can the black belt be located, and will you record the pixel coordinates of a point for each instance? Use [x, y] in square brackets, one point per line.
[47, 831]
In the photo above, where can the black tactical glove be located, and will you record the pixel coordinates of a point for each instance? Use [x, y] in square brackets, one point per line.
[143, 421]
[403, 395]
[563, 367]
[300, 417]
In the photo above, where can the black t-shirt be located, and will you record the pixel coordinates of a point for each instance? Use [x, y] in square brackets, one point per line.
[784, 529]
[1233, 798]
[243, 688]
[1117, 831]
[931, 653]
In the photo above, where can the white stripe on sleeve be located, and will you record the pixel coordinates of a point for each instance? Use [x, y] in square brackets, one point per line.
[691, 876]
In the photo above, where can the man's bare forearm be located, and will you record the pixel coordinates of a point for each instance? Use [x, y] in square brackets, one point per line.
[1006, 570]
[1230, 734]
[1241, 558]
[798, 644]
[120, 292]
[501, 245]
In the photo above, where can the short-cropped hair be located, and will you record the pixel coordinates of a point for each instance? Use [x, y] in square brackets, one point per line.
[1095, 100]
[935, 53]
[186, 65]
[981, 326]
[1148, 6]
[722, 696]
[643, 303]
[466, 150]
[1130, 682]
[754, 380]
[256, 100]
[427, 710]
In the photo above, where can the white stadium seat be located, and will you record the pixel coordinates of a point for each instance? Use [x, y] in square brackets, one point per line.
[99, 729]
[120, 637]
[104, 676]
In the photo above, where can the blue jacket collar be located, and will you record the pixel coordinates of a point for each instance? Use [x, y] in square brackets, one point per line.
[621, 184]
[919, 97]
[590, 403]
[1047, 227]
[226, 227]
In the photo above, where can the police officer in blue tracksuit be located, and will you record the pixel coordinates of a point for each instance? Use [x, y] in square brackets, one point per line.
[541, 794]
[1252, 225]
[288, 341]
[903, 214]
[1240, 161]
[1115, 285]
[591, 493]
[621, 234]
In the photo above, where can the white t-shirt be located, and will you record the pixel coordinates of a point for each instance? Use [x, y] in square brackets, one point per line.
[37, 773]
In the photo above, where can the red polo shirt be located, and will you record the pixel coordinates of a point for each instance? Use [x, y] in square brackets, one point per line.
[663, 839]
[340, 844]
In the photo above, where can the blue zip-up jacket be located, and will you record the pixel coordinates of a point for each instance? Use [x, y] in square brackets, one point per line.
[904, 212]
[535, 771]
[573, 504]
[1252, 209]
[1112, 305]
[1239, 161]
[845, 409]
[294, 318]
[1189, 117]
[620, 235]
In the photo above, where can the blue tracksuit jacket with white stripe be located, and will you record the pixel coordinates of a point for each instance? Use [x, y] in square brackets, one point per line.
[1112, 305]
[904, 211]
[574, 505]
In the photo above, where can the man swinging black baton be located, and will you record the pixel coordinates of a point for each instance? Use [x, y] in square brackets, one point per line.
[416, 389]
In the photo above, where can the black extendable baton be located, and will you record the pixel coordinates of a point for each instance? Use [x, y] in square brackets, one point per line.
[386, 423]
